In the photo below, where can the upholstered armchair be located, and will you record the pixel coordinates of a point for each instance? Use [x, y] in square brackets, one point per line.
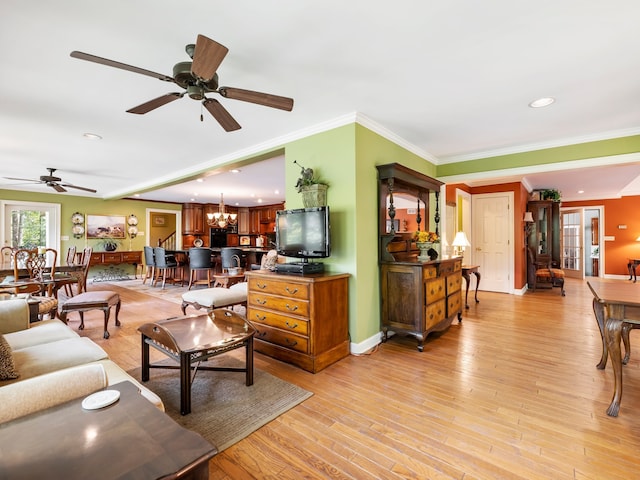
[543, 273]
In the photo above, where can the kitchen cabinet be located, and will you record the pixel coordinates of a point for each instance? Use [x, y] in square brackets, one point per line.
[193, 219]
[243, 221]
[254, 221]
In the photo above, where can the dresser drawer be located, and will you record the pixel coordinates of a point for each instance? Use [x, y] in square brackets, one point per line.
[281, 304]
[454, 282]
[435, 313]
[454, 303]
[284, 322]
[280, 287]
[282, 338]
[429, 272]
[434, 290]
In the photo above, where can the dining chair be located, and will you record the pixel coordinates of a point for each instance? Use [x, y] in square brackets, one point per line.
[200, 261]
[6, 257]
[71, 255]
[80, 275]
[40, 266]
[150, 263]
[166, 266]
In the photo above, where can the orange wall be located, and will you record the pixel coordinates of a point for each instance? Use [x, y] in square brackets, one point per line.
[520, 198]
[617, 211]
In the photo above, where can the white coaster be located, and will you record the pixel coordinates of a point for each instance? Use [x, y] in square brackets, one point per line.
[100, 399]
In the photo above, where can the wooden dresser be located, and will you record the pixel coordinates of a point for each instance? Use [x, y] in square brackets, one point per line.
[301, 320]
[420, 298]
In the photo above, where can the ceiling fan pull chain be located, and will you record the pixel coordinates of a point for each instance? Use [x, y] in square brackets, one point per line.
[201, 116]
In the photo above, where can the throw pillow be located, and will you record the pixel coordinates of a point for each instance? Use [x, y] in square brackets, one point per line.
[7, 367]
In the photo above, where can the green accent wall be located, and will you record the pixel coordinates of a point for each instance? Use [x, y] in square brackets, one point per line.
[567, 153]
[345, 158]
[69, 204]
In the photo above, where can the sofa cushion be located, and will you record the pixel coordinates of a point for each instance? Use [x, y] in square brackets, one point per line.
[7, 367]
[217, 296]
[45, 391]
[40, 332]
[52, 356]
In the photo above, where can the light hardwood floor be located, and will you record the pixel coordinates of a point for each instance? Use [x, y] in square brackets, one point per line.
[512, 392]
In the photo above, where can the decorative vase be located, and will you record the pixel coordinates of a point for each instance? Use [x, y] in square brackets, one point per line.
[314, 195]
[424, 248]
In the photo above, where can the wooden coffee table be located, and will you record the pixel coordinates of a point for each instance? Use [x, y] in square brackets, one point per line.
[129, 439]
[191, 339]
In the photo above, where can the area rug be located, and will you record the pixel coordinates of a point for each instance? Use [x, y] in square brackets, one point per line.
[171, 293]
[223, 409]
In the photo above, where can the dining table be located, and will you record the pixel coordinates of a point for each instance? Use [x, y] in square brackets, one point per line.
[616, 306]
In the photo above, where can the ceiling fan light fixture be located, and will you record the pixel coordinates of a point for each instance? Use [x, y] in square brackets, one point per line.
[195, 92]
[542, 102]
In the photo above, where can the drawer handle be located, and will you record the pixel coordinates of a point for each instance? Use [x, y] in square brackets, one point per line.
[260, 301]
[261, 286]
[291, 343]
[291, 326]
[292, 292]
[292, 309]
[261, 334]
[261, 318]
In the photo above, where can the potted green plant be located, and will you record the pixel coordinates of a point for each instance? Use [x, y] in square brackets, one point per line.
[108, 244]
[314, 190]
[551, 194]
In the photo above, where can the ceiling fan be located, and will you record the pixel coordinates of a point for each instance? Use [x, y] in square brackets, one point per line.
[198, 78]
[53, 182]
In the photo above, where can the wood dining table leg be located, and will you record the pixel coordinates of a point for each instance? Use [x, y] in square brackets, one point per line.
[614, 315]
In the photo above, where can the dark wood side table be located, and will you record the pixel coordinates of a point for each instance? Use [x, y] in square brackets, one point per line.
[129, 439]
[191, 339]
[632, 263]
[466, 270]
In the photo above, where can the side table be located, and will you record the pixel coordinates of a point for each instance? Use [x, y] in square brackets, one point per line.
[632, 263]
[466, 270]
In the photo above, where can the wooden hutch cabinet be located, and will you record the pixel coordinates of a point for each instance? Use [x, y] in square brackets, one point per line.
[544, 235]
[416, 297]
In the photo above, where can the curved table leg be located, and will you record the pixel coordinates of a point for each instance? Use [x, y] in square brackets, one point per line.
[613, 332]
[477, 274]
[598, 310]
[467, 280]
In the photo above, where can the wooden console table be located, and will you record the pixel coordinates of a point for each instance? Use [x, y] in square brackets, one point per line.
[69, 442]
[631, 265]
[116, 258]
[466, 270]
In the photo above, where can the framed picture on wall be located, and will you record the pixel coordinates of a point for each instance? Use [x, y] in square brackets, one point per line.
[159, 220]
[106, 226]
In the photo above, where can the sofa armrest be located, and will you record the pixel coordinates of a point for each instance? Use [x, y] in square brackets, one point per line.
[14, 315]
[45, 391]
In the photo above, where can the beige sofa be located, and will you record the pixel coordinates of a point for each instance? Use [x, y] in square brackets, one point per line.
[54, 364]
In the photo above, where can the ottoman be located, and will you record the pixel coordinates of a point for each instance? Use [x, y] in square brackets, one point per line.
[215, 297]
[96, 300]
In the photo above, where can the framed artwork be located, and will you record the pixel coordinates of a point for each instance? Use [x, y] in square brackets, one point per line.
[106, 226]
[159, 220]
[245, 241]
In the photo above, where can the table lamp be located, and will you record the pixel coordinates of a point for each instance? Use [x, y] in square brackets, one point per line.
[459, 242]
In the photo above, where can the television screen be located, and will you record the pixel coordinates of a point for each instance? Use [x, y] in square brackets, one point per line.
[303, 232]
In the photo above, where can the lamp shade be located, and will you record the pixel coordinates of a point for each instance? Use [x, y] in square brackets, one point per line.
[528, 217]
[461, 240]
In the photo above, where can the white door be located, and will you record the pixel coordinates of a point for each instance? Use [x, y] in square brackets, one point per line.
[571, 247]
[492, 242]
[31, 224]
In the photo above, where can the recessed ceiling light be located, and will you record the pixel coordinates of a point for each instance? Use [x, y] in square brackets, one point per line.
[235, 170]
[542, 102]
[277, 192]
[580, 191]
[199, 180]
[259, 200]
[92, 136]
[136, 194]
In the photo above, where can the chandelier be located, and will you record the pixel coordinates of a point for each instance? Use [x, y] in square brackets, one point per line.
[221, 219]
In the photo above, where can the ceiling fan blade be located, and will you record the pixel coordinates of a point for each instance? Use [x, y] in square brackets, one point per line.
[79, 188]
[155, 103]
[223, 117]
[123, 66]
[207, 58]
[56, 187]
[30, 180]
[266, 99]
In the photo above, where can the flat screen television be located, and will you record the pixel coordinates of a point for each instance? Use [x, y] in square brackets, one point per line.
[303, 233]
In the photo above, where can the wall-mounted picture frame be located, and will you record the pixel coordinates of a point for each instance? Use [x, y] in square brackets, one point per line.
[244, 241]
[159, 220]
[106, 226]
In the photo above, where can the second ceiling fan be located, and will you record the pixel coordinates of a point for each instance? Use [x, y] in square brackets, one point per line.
[198, 78]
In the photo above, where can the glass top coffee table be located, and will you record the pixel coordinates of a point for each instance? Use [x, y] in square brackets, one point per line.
[191, 339]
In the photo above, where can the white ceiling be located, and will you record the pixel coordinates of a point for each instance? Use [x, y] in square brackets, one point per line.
[450, 79]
